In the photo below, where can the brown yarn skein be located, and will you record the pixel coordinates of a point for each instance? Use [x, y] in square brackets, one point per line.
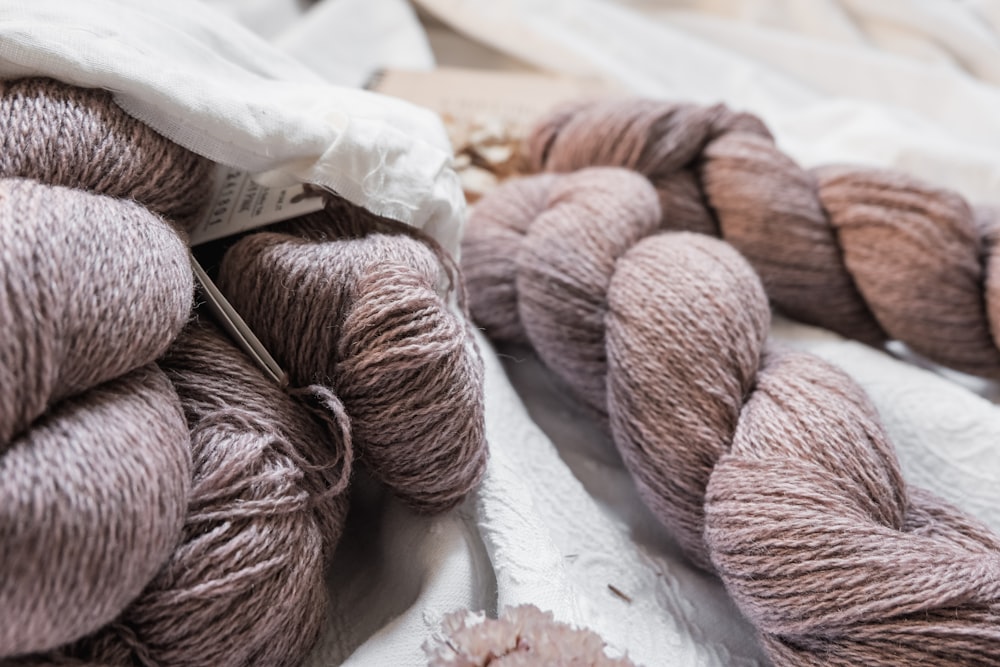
[769, 467]
[94, 458]
[245, 584]
[362, 316]
[78, 137]
[869, 253]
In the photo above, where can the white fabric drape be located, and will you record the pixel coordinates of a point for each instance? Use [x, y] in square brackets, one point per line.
[220, 90]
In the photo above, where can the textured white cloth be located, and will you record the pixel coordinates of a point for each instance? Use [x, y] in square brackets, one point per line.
[213, 86]
[825, 98]
[557, 520]
[367, 36]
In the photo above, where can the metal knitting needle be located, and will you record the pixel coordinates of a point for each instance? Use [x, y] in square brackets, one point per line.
[236, 326]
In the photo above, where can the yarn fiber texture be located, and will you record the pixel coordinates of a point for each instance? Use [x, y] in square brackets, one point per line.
[78, 137]
[358, 316]
[95, 463]
[245, 583]
[872, 254]
[771, 468]
[184, 513]
[94, 456]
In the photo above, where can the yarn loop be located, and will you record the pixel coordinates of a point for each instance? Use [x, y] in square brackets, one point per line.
[164, 502]
[94, 461]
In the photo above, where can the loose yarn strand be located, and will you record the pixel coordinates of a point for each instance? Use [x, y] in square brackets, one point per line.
[334, 417]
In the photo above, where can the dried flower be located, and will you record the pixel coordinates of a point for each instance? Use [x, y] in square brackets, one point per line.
[523, 636]
[487, 151]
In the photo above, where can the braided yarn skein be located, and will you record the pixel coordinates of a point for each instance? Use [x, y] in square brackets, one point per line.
[245, 584]
[872, 254]
[94, 456]
[770, 468]
[358, 317]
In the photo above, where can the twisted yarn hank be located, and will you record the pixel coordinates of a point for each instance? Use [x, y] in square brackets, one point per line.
[95, 462]
[871, 254]
[94, 458]
[220, 563]
[359, 314]
[95, 286]
[245, 584]
[771, 468]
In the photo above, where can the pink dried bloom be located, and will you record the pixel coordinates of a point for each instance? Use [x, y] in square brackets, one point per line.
[523, 636]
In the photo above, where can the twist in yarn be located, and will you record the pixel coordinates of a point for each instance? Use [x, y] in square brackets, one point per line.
[95, 463]
[186, 518]
[94, 456]
[869, 253]
[771, 468]
[244, 585]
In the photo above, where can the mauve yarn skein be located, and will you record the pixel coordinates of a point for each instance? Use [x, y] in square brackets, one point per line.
[245, 584]
[94, 455]
[771, 468]
[362, 317]
[869, 253]
[65, 135]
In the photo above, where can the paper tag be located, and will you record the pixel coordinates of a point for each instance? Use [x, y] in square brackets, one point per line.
[239, 204]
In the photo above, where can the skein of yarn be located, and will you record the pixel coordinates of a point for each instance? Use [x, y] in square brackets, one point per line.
[358, 314]
[771, 468]
[869, 253]
[94, 457]
[244, 585]
[95, 464]
[201, 543]
[78, 137]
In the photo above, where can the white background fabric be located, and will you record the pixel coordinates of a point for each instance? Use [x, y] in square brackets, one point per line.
[908, 84]
[215, 87]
